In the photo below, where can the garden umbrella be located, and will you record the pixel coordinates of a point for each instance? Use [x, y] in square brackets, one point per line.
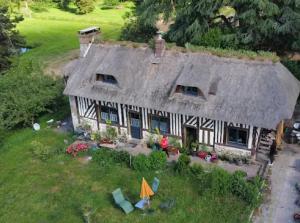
[146, 190]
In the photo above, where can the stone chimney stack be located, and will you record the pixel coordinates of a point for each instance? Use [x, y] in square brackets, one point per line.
[159, 45]
[87, 37]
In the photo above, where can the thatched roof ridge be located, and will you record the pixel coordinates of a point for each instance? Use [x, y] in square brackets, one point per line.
[259, 93]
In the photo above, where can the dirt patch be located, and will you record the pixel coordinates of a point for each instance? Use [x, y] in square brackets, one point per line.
[84, 160]
[55, 66]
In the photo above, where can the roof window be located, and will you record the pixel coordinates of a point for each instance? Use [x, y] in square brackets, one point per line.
[188, 90]
[106, 78]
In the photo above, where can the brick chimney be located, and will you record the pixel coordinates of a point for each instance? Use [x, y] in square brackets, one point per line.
[87, 37]
[159, 45]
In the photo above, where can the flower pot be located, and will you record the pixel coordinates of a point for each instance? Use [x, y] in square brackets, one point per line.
[202, 154]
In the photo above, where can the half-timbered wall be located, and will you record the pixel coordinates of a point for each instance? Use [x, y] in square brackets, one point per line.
[210, 132]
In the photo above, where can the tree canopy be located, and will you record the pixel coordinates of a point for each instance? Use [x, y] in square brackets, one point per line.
[10, 40]
[254, 24]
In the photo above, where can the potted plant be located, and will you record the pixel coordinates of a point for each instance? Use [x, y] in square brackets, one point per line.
[214, 156]
[203, 152]
[194, 148]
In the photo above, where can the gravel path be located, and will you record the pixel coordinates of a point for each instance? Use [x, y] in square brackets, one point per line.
[279, 207]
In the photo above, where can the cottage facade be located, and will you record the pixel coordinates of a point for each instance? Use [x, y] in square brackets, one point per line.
[223, 103]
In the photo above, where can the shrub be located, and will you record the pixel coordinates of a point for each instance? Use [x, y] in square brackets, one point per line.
[110, 4]
[157, 160]
[111, 133]
[220, 181]
[85, 6]
[103, 157]
[107, 157]
[196, 169]
[247, 191]
[141, 163]
[182, 163]
[40, 151]
[121, 157]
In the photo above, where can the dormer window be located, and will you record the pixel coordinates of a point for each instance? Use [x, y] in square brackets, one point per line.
[106, 78]
[188, 90]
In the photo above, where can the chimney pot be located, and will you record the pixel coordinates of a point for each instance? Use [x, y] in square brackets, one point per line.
[86, 38]
[159, 45]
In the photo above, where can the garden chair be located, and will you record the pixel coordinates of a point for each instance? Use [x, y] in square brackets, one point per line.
[155, 185]
[121, 202]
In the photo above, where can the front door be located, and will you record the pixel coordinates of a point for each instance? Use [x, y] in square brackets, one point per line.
[135, 125]
[190, 136]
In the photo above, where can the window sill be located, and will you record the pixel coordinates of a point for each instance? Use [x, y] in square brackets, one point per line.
[237, 146]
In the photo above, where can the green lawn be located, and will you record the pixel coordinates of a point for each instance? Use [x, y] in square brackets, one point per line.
[33, 190]
[54, 32]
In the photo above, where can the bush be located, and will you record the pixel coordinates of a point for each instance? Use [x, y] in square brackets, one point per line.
[121, 157]
[157, 160]
[85, 6]
[247, 191]
[182, 163]
[33, 93]
[40, 151]
[111, 133]
[196, 169]
[141, 163]
[220, 181]
[107, 157]
[110, 4]
[103, 157]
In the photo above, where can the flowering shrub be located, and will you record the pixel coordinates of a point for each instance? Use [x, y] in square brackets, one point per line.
[74, 149]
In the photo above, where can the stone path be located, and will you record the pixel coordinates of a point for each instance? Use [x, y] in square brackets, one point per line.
[279, 206]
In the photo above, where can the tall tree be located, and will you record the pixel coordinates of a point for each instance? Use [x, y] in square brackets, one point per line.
[256, 24]
[10, 40]
[267, 25]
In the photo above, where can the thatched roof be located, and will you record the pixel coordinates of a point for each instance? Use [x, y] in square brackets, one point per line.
[248, 92]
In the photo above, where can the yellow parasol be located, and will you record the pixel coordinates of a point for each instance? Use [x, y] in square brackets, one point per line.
[146, 191]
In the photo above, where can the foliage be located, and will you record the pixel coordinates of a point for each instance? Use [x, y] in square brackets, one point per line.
[40, 150]
[108, 157]
[293, 66]
[136, 30]
[240, 54]
[173, 141]
[182, 164]
[212, 38]
[247, 191]
[111, 133]
[157, 160]
[33, 94]
[85, 6]
[109, 4]
[10, 39]
[141, 163]
[258, 25]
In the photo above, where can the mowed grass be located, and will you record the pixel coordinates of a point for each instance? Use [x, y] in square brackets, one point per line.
[53, 33]
[55, 190]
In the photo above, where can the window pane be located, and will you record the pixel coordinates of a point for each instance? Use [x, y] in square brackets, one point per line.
[237, 136]
[154, 123]
[104, 116]
[114, 118]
